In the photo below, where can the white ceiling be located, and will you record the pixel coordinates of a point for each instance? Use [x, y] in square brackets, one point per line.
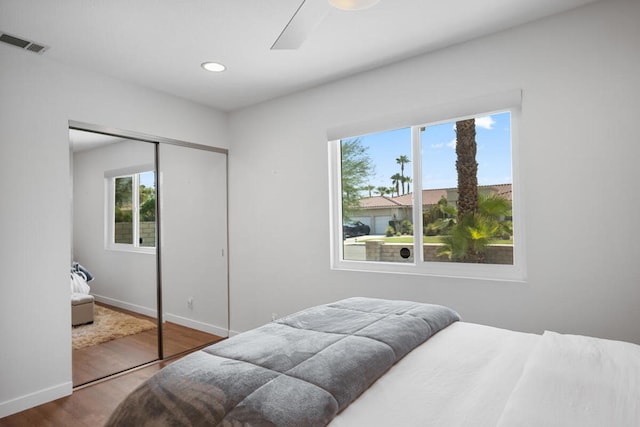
[160, 44]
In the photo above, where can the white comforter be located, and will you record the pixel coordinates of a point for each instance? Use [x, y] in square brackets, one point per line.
[462, 376]
[581, 381]
[472, 375]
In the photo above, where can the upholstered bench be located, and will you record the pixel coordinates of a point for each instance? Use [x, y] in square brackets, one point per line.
[81, 309]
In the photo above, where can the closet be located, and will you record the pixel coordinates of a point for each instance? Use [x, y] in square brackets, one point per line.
[149, 222]
[193, 229]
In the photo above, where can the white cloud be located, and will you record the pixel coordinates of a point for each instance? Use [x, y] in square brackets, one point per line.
[439, 145]
[452, 144]
[485, 122]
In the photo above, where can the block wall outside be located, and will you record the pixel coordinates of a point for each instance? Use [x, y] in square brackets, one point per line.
[124, 230]
[378, 250]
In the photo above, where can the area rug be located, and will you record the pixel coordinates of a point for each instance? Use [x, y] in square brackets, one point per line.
[108, 325]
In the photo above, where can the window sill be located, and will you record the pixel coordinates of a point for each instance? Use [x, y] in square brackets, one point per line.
[131, 249]
[483, 272]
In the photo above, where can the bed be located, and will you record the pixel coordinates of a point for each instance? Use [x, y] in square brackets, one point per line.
[372, 362]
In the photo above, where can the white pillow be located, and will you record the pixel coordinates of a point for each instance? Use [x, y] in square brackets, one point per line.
[79, 284]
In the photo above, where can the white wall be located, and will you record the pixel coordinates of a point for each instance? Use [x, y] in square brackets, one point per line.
[125, 279]
[579, 149]
[37, 99]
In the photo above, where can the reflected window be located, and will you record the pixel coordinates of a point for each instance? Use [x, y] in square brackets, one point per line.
[133, 220]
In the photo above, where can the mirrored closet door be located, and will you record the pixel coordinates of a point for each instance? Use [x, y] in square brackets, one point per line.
[149, 249]
[193, 225]
[113, 260]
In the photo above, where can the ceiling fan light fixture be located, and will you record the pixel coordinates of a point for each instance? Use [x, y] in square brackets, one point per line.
[214, 67]
[353, 4]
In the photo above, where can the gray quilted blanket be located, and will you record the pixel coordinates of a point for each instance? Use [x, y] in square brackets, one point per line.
[301, 370]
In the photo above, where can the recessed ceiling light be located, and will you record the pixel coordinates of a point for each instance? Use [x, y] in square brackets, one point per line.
[352, 4]
[215, 67]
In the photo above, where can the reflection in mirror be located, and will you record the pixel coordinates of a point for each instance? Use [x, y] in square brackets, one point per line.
[193, 200]
[114, 321]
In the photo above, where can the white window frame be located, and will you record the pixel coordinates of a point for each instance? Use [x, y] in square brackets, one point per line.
[109, 205]
[476, 108]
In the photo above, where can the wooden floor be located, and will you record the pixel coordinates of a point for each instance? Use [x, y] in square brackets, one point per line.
[90, 405]
[98, 361]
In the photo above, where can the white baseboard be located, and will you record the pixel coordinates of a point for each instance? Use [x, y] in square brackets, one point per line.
[194, 324]
[168, 317]
[233, 333]
[34, 399]
[151, 312]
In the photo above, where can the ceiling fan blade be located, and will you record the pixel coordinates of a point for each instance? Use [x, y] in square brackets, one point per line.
[309, 14]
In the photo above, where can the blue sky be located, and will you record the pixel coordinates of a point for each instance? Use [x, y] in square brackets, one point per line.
[146, 179]
[493, 136]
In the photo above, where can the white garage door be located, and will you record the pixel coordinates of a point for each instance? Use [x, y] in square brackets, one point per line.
[380, 224]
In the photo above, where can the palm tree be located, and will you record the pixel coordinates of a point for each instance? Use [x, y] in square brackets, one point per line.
[369, 188]
[470, 235]
[402, 160]
[467, 167]
[469, 239]
[395, 181]
[383, 190]
[496, 208]
[407, 180]
[480, 218]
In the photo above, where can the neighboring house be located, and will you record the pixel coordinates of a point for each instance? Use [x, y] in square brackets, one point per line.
[377, 211]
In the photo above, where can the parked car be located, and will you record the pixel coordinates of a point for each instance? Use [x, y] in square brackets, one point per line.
[355, 229]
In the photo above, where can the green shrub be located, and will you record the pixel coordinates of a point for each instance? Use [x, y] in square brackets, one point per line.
[123, 215]
[390, 231]
[431, 230]
[148, 210]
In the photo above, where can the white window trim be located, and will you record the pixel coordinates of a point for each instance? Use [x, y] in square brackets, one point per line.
[109, 210]
[493, 272]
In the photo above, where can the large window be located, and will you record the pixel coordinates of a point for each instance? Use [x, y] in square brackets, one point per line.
[435, 198]
[131, 217]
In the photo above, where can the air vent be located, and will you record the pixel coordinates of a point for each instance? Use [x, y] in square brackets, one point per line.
[22, 43]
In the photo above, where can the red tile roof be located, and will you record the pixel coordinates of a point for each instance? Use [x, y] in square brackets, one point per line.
[429, 197]
[504, 190]
[378, 202]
